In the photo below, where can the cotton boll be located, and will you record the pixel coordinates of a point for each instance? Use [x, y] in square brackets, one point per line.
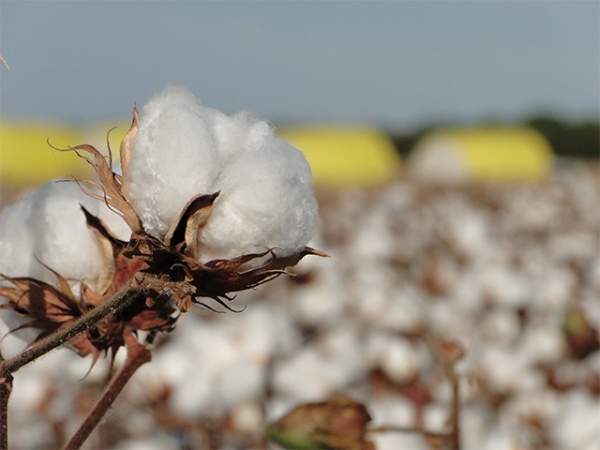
[311, 374]
[374, 238]
[577, 425]
[398, 411]
[530, 413]
[555, 287]
[238, 382]
[16, 239]
[500, 325]
[498, 439]
[183, 149]
[508, 369]
[266, 202]
[48, 227]
[261, 332]
[343, 347]
[543, 344]
[247, 417]
[322, 300]
[193, 394]
[159, 441]
[173, 158]
[63, 241]
[478, 419]
[435, 416]
[405, 313]
[395, 356]
[505, 286]
[302, 376]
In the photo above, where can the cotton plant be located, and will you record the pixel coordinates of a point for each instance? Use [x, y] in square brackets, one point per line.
[204, 205]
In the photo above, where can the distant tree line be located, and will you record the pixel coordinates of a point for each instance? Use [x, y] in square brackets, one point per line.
[571, 140]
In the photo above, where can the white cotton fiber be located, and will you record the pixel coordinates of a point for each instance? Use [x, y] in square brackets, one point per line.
[174, 155]
[265, 202]
[48, 226]
[183, 149]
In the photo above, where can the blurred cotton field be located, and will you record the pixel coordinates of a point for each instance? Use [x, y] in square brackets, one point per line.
[509, 271]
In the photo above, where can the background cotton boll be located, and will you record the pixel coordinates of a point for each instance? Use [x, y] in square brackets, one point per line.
[238, 382]
[577, 425]
[266, 202]
[173, 159]
[193, 394]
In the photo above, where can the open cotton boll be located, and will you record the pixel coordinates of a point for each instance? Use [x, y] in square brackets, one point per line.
[48, 226]
[16, 240]
[174, 157]
[183, 149]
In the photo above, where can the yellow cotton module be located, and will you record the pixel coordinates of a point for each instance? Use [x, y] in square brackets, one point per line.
[345, 155]
[27, 157]
[486, 154]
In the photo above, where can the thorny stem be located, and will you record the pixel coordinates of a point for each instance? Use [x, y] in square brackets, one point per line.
[137, 355]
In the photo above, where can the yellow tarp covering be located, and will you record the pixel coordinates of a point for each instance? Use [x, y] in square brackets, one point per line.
[341, 155]
[27, 159]
[492, 154]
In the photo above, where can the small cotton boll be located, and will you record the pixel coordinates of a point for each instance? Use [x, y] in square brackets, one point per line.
[507, 369]
[577, 424]
[247, 417]
[399, 411]
[435, 416]
[158, 441]
[173, 158]
[397, 357]
[310, 376]
[193, 395]
[239, 382]
[543, 344]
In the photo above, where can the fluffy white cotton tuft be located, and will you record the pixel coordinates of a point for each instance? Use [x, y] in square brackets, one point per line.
[183, 149]
[49, 227]
[174, 154]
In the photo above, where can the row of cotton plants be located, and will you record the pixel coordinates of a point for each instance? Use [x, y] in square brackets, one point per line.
[509, 273]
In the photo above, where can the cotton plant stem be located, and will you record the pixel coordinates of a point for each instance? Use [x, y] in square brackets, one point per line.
[137, 355]
[455, 414]
[122, 299]
[5, 391]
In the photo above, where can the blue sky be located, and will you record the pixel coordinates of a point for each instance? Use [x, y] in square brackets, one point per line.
[399, 64]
